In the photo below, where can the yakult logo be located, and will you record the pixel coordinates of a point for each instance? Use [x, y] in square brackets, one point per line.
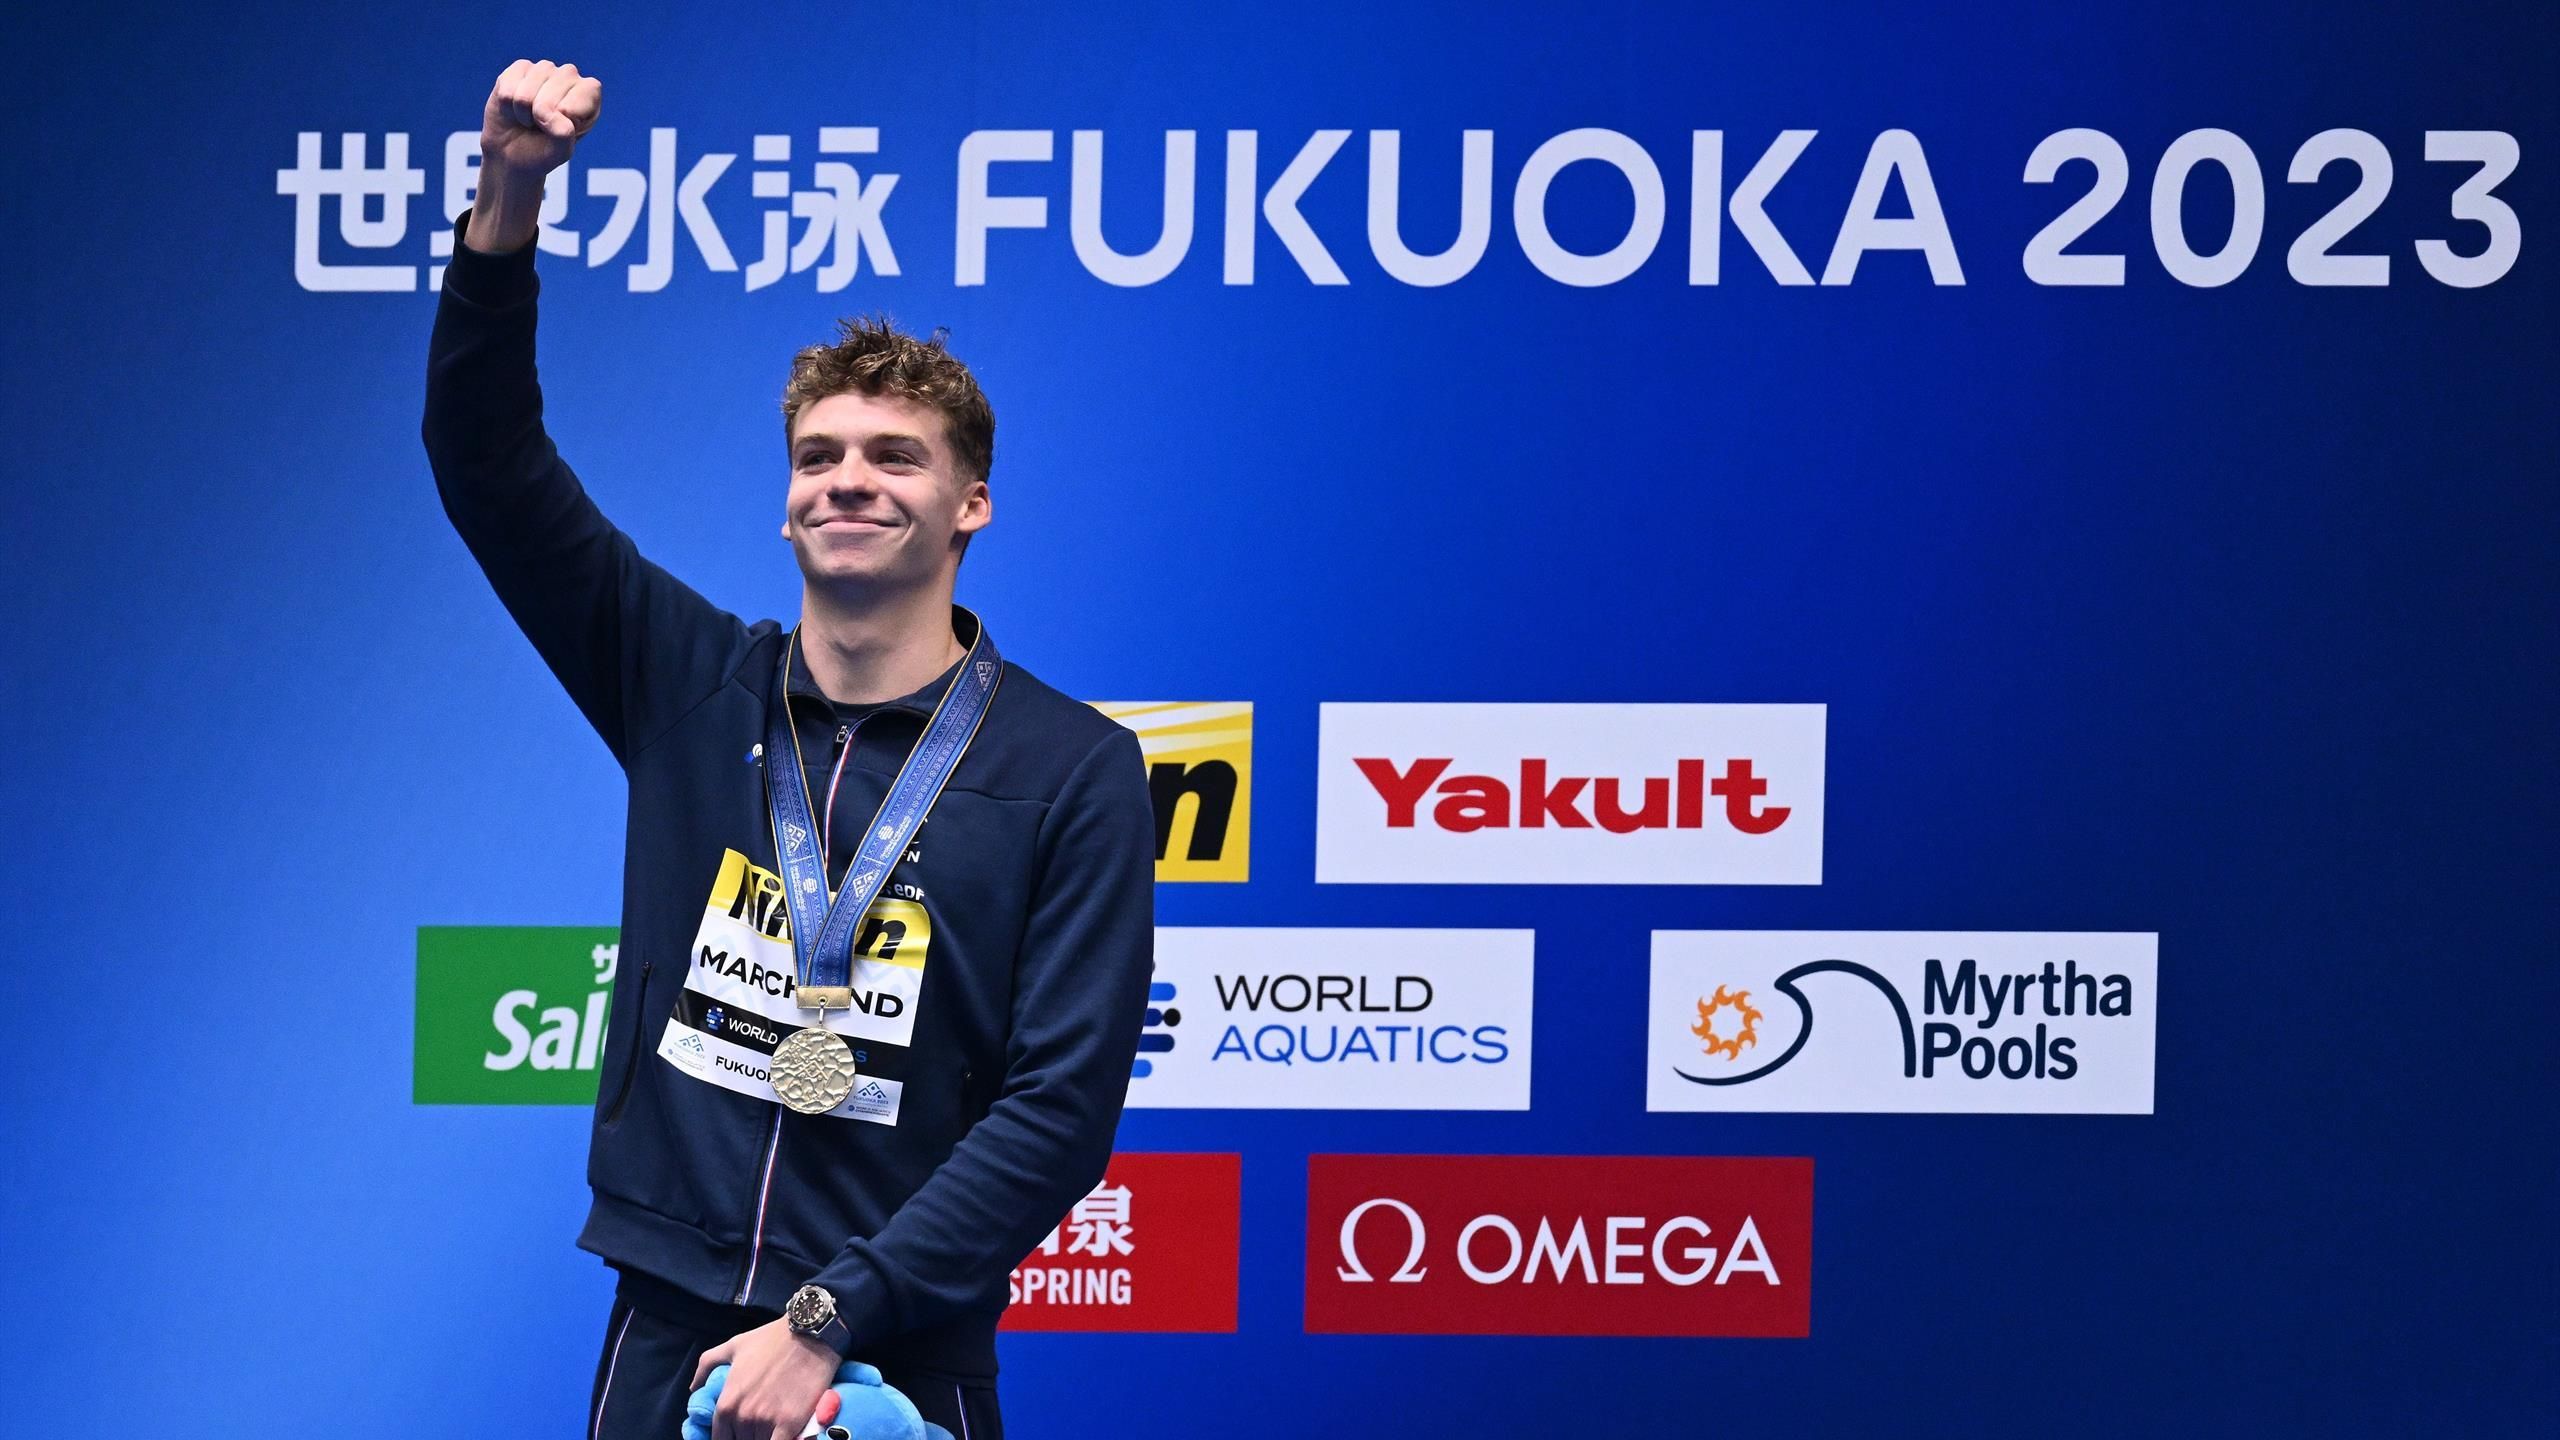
[1572, 794]
[1481, 802]
[1604, 1245]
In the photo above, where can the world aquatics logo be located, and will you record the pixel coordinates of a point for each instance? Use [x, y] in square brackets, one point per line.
[1157, 1038]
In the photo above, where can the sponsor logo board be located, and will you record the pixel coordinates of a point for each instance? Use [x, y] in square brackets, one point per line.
[1947, 1021]
[1570, 794]
[511, 1014]
[1282, 1018]
[1559, 1245]
[1200, 776]
[1151, 1248]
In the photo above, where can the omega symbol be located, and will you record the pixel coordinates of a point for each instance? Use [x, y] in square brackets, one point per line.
[1407, 1273]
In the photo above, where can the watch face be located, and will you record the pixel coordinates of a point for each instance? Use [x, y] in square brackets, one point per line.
[811, 1307]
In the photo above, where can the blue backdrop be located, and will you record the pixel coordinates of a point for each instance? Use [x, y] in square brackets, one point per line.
[2223, 612]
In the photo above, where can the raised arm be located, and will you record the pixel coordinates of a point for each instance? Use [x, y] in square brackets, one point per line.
[635, 647]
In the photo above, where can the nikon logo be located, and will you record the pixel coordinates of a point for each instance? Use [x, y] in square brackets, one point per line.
[1200, 773]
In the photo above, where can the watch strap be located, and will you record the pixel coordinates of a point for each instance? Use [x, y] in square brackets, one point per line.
[835, 1334]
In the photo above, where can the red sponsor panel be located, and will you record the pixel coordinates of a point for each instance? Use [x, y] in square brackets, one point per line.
[1151, 1248]
[1559, 1245]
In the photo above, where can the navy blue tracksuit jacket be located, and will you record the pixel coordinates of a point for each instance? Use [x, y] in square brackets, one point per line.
[1001, 980]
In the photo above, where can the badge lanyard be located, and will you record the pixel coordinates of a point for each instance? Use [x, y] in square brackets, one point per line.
[825, 921]
[813, 1070]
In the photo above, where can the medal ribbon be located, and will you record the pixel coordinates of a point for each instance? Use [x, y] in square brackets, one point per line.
[825, 922]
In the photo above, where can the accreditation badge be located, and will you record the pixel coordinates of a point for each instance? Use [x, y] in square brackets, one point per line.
[833, 937]
[740, 1003]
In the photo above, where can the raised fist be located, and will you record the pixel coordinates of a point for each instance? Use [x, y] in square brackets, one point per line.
[536, 113]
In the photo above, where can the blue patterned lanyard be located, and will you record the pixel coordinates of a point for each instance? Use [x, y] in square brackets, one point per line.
[825, 924]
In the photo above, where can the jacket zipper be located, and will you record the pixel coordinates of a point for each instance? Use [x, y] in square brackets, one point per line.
[764, 1193]
[773, 1142]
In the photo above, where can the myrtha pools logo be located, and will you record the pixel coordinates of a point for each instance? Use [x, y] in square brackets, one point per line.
[1742, 1023]
[1910, 1021]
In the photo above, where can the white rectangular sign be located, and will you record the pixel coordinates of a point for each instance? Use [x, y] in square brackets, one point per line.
[1275, 1018]
[1570, 794]
[1977, 1022]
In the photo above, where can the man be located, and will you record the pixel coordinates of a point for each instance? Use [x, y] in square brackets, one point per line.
[795, 1165]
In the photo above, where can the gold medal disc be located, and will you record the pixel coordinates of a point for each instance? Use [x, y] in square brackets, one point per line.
[813, 1070]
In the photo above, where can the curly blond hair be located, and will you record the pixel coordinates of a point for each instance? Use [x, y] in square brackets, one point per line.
[872, 356]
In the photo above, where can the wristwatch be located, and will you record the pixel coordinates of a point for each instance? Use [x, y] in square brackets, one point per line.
[811, 1311]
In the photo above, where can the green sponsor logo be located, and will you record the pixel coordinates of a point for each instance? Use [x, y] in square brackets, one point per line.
[512, 1014]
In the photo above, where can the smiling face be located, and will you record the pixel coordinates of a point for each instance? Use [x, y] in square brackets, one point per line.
[879, 500]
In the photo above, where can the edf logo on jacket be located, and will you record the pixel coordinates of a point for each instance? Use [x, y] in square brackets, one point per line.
[1484, 794]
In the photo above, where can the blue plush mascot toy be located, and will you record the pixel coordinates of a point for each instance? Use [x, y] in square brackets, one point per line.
[870, 1410]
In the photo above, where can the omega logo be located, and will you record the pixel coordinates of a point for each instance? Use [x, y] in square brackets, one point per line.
[1410, 1271]
[1492, 1250]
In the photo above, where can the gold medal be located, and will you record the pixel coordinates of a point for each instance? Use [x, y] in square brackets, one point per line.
[813, 1070]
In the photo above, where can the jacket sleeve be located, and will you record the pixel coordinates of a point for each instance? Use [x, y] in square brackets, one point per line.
[1080, 988]
[634, 646]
